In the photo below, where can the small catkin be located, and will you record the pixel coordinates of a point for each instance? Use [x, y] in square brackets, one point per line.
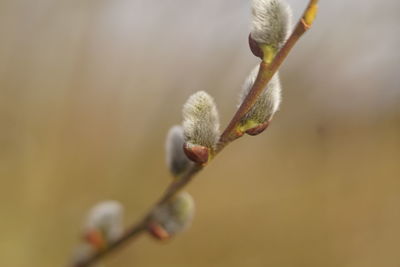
[176, 215]
[271, 22]
[106, 217]
[267, 103]
[176, 159]
[201, 120]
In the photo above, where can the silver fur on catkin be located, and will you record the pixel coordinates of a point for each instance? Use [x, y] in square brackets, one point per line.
[106, 217]
[267, 103]
[271, 22]
[201, 120]
[176, 159]
[172, 217]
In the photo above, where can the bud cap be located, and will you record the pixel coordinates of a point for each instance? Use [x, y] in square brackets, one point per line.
[196, 153]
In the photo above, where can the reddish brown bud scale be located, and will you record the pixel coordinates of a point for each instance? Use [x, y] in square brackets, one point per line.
[196, 153]
[255, 48]
[95, 239]
[258, 129]
[157, 231]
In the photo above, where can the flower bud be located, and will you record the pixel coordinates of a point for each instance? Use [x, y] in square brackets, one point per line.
[172, 217]
[259, 116]
[270, 26]
[200, 126]
[176, 159]
[104, 224]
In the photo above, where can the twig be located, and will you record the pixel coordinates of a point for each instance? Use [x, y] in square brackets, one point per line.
[129, 235]
[141, 226]
[265, 74]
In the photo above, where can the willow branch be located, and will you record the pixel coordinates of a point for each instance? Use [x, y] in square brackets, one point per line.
[141, 226]
[129, 235]
[265, 74]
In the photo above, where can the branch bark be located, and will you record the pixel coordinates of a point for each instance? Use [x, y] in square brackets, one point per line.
[265, 74]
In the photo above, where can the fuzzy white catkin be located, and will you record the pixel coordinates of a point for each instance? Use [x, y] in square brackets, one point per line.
[267, 103]
[201, 120]
[107, 217]
[271, 22]
[176, 159]
[176, 215]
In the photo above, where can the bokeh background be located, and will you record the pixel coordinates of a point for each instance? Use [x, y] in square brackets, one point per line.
[88, 90]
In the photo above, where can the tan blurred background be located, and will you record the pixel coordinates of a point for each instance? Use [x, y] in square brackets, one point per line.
[89, 88]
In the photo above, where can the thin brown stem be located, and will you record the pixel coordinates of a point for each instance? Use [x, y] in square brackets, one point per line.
[177, 185]
[265, 74]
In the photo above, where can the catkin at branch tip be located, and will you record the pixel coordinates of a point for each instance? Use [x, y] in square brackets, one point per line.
[271, 22]
[201, 120]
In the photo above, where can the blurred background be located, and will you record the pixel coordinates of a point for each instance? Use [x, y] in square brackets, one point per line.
[88, 90]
